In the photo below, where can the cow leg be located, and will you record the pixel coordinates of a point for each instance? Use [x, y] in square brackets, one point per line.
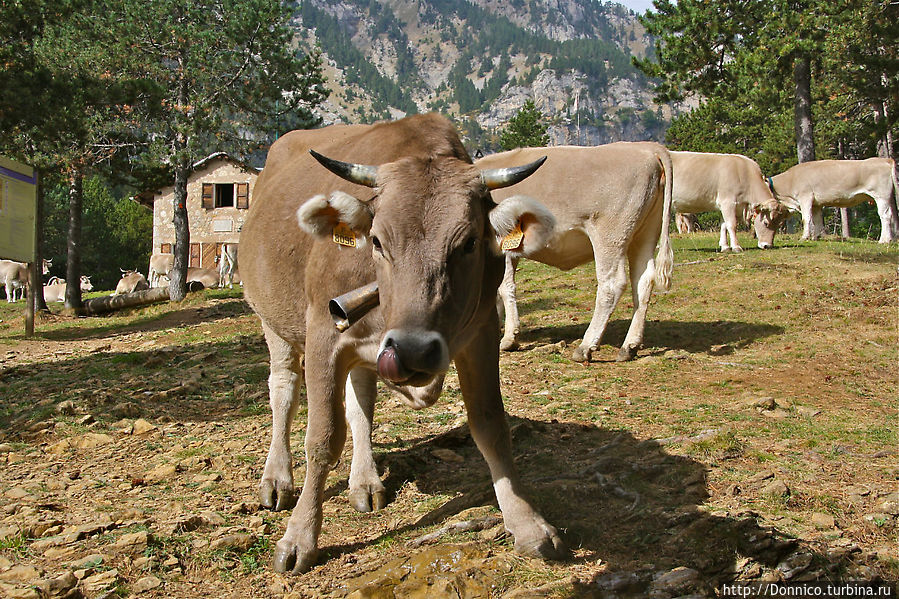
[729, 227]
[510, 306]
[886, 209]
[611, 279]
[367, 492]
[297, 551]
[10, 293]
[817, 222]
[276, 490]
[478, 370]
[805, 208]
[641, 258]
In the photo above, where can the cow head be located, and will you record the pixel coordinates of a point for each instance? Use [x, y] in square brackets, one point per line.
[86, 284]
[48, 262]
[769, 216]
[437, 240]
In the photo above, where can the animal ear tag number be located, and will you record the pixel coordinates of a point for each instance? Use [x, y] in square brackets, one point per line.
[344, 235]
[513, 240]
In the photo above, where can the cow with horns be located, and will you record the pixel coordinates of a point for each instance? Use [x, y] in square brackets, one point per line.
[423, 227]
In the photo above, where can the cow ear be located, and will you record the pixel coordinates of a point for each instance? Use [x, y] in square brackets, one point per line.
[341, 217]
[522, 225]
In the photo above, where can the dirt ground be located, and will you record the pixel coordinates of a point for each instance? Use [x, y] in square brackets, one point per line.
[753, 439]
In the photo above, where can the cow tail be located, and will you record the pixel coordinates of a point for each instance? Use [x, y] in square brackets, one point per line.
[665, 257]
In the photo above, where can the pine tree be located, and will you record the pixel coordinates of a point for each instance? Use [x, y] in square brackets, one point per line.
[526, 129]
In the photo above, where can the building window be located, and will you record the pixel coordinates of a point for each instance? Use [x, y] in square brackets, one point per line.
[226, 195]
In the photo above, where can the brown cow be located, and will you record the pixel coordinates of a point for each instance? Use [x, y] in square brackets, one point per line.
[612, 205]
[425, 229]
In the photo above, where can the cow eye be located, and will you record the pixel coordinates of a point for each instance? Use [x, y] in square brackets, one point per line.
[377, 243]
[470, 245]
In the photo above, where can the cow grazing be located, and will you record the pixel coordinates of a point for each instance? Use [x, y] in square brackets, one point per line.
[14, 276]
[729, 183]
[227, 261]
[130, 282]
[207, 277]
[612, 205]
[55, 291]
[423, 226]
[160, 266]
[809, 186]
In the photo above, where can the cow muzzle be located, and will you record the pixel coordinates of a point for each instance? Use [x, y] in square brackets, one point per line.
[412, 357]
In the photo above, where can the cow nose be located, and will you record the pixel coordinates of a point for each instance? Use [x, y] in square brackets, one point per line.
[765, 246]
[412, 357]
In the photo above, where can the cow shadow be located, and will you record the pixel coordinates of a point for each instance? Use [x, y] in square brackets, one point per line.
[616, 498]
[692, 337]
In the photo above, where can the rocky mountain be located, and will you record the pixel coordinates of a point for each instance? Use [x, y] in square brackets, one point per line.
[478, 61]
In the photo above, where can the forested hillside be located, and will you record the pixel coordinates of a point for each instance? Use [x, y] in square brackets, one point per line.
[480, 60]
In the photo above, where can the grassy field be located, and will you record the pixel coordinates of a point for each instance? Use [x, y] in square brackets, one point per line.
[754, 438]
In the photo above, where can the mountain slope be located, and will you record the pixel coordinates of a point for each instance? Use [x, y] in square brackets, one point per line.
[479, 61]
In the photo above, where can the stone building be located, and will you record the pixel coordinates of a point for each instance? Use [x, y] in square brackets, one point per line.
[219, 192]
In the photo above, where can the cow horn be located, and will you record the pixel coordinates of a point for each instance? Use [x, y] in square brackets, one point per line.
[362, 174]
[497, 178]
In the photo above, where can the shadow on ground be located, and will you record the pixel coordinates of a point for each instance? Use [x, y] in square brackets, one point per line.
[618, 500]
[693, 337]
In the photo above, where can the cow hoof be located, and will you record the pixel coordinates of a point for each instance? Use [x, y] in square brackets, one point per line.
[550, 546]
[364, 500]
[275, 496]
[290, 558]
[508, 344]
[736, 250]
[580, 354]
[626, 354]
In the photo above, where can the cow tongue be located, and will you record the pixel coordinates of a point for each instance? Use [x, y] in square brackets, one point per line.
[390, 367]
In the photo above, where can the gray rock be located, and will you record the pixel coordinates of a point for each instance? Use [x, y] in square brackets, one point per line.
[146, 583]
[237, 542]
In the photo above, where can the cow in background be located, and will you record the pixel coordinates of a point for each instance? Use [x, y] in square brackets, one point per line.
[14, 276]
[809, 186]
[208, 278]
[160, 266]
[686, 223]
[130, 282]
[729, 183]
[55, 291]
[612, 205]
[227, 262]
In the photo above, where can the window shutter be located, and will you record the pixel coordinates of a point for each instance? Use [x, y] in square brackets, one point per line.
[243, 196]
[165, 248]
[208, 196]
[195, 255]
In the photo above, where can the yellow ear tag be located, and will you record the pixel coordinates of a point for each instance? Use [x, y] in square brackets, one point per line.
[512, 241]
[344, 235]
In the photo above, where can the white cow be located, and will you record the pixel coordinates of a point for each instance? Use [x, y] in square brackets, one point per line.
[844, 183]
[130, 282]
[729, 183]
[612, 205]
[207, 277]
[55, 291]
[160, 266]
[14, 276]
[227, 261]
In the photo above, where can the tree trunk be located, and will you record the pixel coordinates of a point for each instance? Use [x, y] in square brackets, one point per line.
[38, 266]
[73, 262]
[802, 109]
[178, 275]
[110, 303]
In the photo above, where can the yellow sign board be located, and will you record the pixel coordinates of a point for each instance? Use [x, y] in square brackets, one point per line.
[18, 211]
